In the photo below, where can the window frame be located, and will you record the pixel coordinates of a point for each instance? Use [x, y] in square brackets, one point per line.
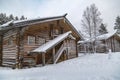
[31, 42]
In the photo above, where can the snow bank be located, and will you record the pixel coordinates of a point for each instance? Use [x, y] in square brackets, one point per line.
[85, 67]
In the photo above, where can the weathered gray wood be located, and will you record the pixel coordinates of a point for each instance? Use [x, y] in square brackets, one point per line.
[43, 59]
[1, 49]
[20, 47]
[76, 49]
[53, 55]
[114, 43]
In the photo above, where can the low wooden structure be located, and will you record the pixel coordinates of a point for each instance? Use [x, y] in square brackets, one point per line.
[103, 44]
[37, 41]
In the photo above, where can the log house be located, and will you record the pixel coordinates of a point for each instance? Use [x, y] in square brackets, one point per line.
[106, 42]
[37, 41]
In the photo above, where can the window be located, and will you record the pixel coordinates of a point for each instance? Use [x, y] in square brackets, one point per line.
[31, 40]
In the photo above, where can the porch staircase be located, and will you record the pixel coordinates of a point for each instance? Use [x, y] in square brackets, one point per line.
[59, 53]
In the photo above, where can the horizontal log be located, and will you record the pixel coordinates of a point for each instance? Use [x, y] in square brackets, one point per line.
[10, 63]
[7, 53]
[7, 65]
[11, 57]
[12, 48]
[27, 46]
[10, 54]
[9, 50]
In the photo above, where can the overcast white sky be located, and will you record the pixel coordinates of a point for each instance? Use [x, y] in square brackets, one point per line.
[43, 8]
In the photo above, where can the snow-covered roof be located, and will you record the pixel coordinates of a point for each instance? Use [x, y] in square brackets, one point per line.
[23, 23]
[52, 43]
[101, 37]
[6, 24]
[20, 23]
[86, 41]
[106, 36]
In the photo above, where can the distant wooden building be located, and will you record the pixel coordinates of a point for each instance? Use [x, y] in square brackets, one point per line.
[103, 44]
[37, 41]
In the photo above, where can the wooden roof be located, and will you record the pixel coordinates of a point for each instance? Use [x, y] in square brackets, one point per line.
[24, 23]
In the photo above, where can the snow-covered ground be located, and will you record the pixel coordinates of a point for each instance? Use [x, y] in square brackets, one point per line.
[85, 67]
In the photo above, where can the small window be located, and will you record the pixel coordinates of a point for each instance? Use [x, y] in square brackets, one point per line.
[31, 40]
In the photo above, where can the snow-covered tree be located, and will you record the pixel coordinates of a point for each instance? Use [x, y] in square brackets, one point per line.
[103, 29]
[16, 18]
[91, 22]
[117, 24]
[11, 17]
[3, 18]
[22, 17]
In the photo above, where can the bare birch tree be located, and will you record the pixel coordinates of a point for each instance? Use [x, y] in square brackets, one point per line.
[91, 22]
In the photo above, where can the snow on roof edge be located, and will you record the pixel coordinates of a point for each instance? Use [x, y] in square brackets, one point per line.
[101, 37]
[19, 21]
[51, 43]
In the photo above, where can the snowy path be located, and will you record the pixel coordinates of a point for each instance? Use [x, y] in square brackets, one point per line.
[88, 67]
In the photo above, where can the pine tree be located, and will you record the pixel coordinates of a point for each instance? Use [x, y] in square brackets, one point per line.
[22, 17]
[4, 18]
[117, 24]
[11, 17]
[103, 29]
[16, 18]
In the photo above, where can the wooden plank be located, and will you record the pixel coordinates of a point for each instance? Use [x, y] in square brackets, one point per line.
[9, 60]
[9, 55]
[53, 55]
[43, 59]
[9, 51]
[13, 57]
[77, 48]
[10, 47]
[9, 63]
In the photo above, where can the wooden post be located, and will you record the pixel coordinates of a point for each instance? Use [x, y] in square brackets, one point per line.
[43, 59]
[111, 45]
[85, 48]
[1, 49]
[53, 55]
[114, 44]
[76, 49]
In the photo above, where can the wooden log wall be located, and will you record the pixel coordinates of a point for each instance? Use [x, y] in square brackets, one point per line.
[72, 48]
[9, 50]
[1, 49]
[9, 55]
[117, 45]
